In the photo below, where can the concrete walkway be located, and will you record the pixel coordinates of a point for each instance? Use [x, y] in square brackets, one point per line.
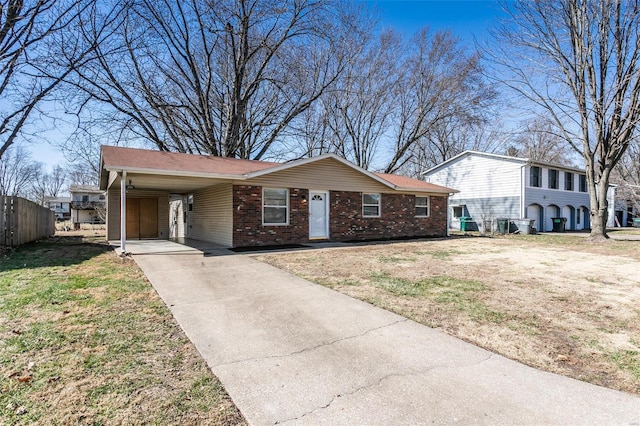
[292, 352]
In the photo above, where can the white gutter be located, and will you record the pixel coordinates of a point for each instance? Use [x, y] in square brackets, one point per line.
[147, 171]
[123, 213]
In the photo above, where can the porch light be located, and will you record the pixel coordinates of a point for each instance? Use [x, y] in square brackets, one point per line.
[130, 186]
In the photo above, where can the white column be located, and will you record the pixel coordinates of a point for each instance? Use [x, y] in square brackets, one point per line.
[123, 212]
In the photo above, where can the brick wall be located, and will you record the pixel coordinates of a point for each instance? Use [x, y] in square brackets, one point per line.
[247, 219]
[397, 218]
[345, 218]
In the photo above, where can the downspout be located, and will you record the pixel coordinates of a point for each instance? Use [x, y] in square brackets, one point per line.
[449, 214]
[123, 212]
[522, 189]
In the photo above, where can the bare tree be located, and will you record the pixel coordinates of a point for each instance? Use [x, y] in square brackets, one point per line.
[440, 85]
[418, 102]
[450, 137]
[35, 57]
[218, 77]
[540, 142]
[360, 109]
[627, 176]
[628, 169]
[577, 62]
[17, 172]
[43, 184]
[82, 151]
[81, 174]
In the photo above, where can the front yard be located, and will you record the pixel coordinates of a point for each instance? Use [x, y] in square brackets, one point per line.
[554, 302]
[85, 339]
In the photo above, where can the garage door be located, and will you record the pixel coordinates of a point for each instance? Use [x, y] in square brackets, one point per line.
[142, 218]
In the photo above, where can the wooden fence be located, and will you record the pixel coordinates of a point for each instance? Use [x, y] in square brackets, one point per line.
[23, 221]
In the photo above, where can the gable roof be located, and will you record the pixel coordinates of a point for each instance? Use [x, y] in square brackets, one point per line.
[179, 164]
[502, 158]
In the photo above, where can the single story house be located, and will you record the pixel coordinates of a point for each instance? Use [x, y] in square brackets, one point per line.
[495, 186]
[240, 203]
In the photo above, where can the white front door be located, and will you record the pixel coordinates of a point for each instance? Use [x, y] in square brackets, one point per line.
[318, 214]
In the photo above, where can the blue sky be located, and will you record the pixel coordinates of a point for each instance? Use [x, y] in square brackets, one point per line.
[467, 19]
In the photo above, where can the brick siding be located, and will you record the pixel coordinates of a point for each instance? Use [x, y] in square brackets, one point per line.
[397, 218]
[345, 218]
[247, 219]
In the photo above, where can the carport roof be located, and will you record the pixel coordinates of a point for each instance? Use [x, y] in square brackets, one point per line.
[133, 159]
[159, 163]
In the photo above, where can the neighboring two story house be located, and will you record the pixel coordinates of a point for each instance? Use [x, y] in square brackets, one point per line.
[497, 186]
[88, 205]
[627, 205]
[61, 206]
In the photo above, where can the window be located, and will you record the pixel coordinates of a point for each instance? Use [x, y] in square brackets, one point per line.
[535, 177]
[190, 202]
[371, 205]
[553, 179]
[568, 181]
[422, 206]
[101, 197]
[583, 183]
[85, 198]
[275, 206]
[578, 214]
[458, 211]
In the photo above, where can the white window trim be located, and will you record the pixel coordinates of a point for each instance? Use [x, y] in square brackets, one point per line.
[428, 205]
[379, 205]
[286, 207]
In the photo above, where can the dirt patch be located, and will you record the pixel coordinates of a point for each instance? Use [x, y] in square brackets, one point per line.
[564, 306]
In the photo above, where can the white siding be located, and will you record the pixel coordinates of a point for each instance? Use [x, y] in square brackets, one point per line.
[554, 202]
[212, 216]
[477, 176]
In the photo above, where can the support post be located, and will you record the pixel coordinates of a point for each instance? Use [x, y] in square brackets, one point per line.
[123, 212]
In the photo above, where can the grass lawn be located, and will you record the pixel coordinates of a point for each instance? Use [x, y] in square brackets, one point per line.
[555, 302]
[84, 339]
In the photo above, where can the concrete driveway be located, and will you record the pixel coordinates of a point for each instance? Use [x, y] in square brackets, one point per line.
[292, 352]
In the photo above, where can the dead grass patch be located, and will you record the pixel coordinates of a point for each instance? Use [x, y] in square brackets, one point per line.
[84, 339]
[553, 302]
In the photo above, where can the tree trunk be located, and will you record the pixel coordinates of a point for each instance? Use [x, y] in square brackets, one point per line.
[599, 209]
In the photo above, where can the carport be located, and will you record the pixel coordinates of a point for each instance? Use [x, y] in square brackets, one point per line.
[139, 188]
[143, 201]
